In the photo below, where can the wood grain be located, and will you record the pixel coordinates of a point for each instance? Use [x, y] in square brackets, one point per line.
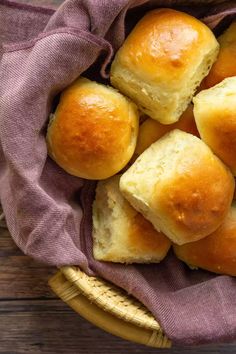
[32, 321]
[20, 276]
[49, 326]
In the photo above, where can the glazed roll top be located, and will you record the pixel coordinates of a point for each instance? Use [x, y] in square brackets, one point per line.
[94, 130]
[162, 61]
[180, 186]
[216, 252]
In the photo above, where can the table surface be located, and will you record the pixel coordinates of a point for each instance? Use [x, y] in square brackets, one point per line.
[33, 320]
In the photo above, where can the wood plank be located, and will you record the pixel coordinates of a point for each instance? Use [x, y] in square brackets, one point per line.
[49, 326]
[7, 245]
[20, 276]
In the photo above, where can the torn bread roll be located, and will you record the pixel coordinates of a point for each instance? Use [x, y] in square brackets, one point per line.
[94, 130]
[216, 252]
[162, 62]
[215, 115]
[120, 233]
[180, 186]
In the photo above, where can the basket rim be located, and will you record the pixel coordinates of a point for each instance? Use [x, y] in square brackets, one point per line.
[111, 298]
[80, 303]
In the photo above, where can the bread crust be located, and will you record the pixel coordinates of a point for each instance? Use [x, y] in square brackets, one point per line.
[215, 115]
[216, 252]
[162, 61]
[94, 130]
[180, 186]
[120, 233]
[151, 130]
[225, 64]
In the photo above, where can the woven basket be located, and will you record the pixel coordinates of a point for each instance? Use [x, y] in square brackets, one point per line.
[108, 307]
[104, 304]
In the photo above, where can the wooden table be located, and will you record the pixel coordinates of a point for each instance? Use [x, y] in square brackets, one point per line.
[33, 320]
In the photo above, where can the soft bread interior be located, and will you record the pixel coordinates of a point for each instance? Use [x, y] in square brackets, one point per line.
[121, 234]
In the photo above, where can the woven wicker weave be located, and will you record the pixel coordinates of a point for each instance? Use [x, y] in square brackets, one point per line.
[108, 307]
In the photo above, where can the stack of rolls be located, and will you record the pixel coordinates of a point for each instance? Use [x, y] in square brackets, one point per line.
[168, 182]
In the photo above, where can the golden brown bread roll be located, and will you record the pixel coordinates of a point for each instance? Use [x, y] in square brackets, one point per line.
[216, 252]
[225, 64]
[215, 115]
[162, 62]
[180, 186]
[120, 233]
[151, 130]
[94, 130]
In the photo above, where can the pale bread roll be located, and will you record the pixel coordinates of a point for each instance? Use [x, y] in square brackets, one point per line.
[215, 114]
[94, 130]
[180, 186]
[216, 252]
[162, 62]
[120, 233]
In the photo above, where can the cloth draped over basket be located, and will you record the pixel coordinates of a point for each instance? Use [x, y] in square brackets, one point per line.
[48, 212]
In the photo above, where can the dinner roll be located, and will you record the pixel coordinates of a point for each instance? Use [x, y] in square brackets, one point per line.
[120, 233]
[94, 130]
[162, 62]
[215, 114]
[216, 252]
[151, 130]
[180, 186]
[225, 64]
